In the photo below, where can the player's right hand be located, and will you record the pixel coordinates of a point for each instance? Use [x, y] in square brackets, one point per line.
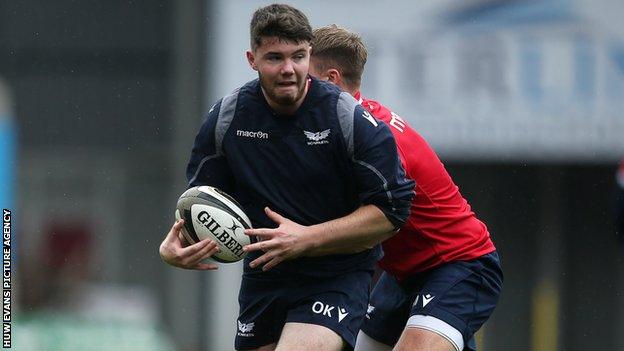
[173, 251]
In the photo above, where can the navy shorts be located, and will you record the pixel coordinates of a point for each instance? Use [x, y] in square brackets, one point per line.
[463, 294]
[268, 301]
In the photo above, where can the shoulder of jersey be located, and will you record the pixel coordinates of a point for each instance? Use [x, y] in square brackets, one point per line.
[250, 87]
[378, 110]
[325, 87]
[247, 88]
[249, 94]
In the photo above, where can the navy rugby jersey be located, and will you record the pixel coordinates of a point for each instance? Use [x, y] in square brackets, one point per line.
[319, 164]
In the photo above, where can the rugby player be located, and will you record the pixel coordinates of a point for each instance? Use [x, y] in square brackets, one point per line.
[301, 153]
[442, 276]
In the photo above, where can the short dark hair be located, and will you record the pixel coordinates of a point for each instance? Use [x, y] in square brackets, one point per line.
[279, 20]
[339, 48]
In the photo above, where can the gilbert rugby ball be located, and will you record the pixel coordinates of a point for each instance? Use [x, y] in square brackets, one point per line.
[210, 213]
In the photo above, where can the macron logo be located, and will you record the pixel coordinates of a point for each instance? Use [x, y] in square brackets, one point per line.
[425, 300]
[249, 134]
[342, 313]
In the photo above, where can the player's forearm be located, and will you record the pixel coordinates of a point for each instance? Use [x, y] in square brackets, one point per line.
[358, 231]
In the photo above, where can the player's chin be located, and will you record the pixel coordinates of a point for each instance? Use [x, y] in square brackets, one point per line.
[288, 98]
[285, 99]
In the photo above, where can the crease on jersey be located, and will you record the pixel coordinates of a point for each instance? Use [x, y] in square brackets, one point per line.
[199, 167]
[384, 181]
[346, 113]
[224, 119]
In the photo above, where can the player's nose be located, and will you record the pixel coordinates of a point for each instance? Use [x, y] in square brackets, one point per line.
[288, 67]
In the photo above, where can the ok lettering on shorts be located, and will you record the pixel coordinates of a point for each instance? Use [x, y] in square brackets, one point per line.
[268, 301]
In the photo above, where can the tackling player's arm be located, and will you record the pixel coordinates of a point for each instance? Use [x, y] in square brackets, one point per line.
[384, 191]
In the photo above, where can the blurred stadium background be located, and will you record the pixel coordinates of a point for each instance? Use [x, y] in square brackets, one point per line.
[100, 101]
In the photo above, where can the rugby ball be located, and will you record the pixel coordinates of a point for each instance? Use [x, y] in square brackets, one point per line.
[210, 213]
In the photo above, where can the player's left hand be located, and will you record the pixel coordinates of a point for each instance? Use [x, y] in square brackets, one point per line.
[282, 243]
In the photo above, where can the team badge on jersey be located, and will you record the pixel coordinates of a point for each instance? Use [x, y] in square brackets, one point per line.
[245, 329]
[317, 138]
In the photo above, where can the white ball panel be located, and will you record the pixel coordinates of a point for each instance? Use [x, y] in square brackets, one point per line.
[220, 226]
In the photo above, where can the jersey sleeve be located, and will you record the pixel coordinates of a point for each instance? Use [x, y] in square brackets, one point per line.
[380, 177]
[208, 165]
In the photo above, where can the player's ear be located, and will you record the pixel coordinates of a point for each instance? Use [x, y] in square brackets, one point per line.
[252, 60]
[334, 76]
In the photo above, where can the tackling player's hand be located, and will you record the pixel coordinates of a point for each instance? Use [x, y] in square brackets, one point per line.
[173, 250]
[280, 244]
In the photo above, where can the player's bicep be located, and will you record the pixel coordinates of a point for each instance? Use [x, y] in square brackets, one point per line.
[380, 176]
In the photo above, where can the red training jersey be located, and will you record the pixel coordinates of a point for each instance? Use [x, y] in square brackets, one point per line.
[441, 226]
